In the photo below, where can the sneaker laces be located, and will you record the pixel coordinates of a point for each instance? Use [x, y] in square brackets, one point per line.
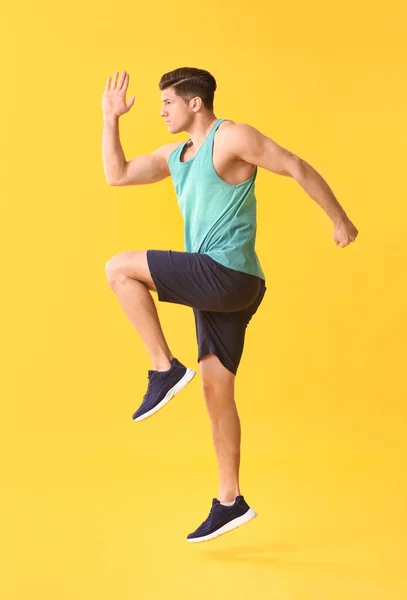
[150, 379]
[152, 375]
[208, 518]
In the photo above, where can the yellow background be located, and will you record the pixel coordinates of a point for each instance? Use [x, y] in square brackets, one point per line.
[94, 505]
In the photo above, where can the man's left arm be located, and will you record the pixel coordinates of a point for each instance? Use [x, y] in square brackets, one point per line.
[252, 146]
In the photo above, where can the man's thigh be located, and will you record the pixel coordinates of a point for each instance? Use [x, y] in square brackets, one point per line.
[132, 264]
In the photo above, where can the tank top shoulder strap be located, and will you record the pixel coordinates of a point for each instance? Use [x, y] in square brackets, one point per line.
[214, 128]
[208, 143]
[173, 158]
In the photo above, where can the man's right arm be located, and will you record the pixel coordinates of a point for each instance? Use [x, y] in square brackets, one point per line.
[143, 169]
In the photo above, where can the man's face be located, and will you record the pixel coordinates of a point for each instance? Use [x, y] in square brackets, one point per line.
[177, 115]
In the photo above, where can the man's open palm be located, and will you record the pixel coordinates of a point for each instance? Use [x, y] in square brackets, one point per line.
[114, 98]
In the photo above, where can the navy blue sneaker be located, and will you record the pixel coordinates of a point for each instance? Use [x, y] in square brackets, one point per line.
[223, 519]
[162, 386]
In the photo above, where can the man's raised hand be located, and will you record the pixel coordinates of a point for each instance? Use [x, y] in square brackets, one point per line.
[114, 99]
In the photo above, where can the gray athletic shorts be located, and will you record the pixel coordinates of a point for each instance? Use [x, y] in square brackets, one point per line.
[223, 300]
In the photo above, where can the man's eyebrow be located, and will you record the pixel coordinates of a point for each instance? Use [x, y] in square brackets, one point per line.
[165, 99]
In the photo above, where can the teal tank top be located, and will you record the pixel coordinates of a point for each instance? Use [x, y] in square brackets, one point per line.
[219, 218]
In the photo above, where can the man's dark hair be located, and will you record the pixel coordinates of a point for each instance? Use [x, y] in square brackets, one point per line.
[189, 82]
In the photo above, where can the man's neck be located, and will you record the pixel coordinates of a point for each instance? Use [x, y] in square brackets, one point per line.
[199, 131]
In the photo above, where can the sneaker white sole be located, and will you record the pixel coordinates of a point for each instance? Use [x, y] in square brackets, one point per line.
[190, 373]
[248, 516]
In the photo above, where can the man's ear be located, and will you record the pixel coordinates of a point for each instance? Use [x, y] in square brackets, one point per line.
[196, 103]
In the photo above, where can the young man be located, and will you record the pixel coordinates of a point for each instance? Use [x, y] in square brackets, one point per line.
[219, 274]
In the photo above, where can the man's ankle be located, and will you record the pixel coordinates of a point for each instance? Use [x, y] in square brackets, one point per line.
[228, 497]
[162, 364]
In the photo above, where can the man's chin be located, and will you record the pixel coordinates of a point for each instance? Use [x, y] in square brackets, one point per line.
[173, 130]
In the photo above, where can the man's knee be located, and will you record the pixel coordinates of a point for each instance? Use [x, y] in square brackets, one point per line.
[131, 265]
[214, 388]
[219, 399]
[217, 381]
[115, 278]
[113, 271]
[114, 263]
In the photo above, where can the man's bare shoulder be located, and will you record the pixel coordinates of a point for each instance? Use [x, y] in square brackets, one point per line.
[233, 135]
[165, 150]
[163, 153]
[246, 143]
[232, 130]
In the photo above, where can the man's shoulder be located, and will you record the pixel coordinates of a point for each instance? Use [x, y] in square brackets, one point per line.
[235, 137]
[167, 149]
[233, 130]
